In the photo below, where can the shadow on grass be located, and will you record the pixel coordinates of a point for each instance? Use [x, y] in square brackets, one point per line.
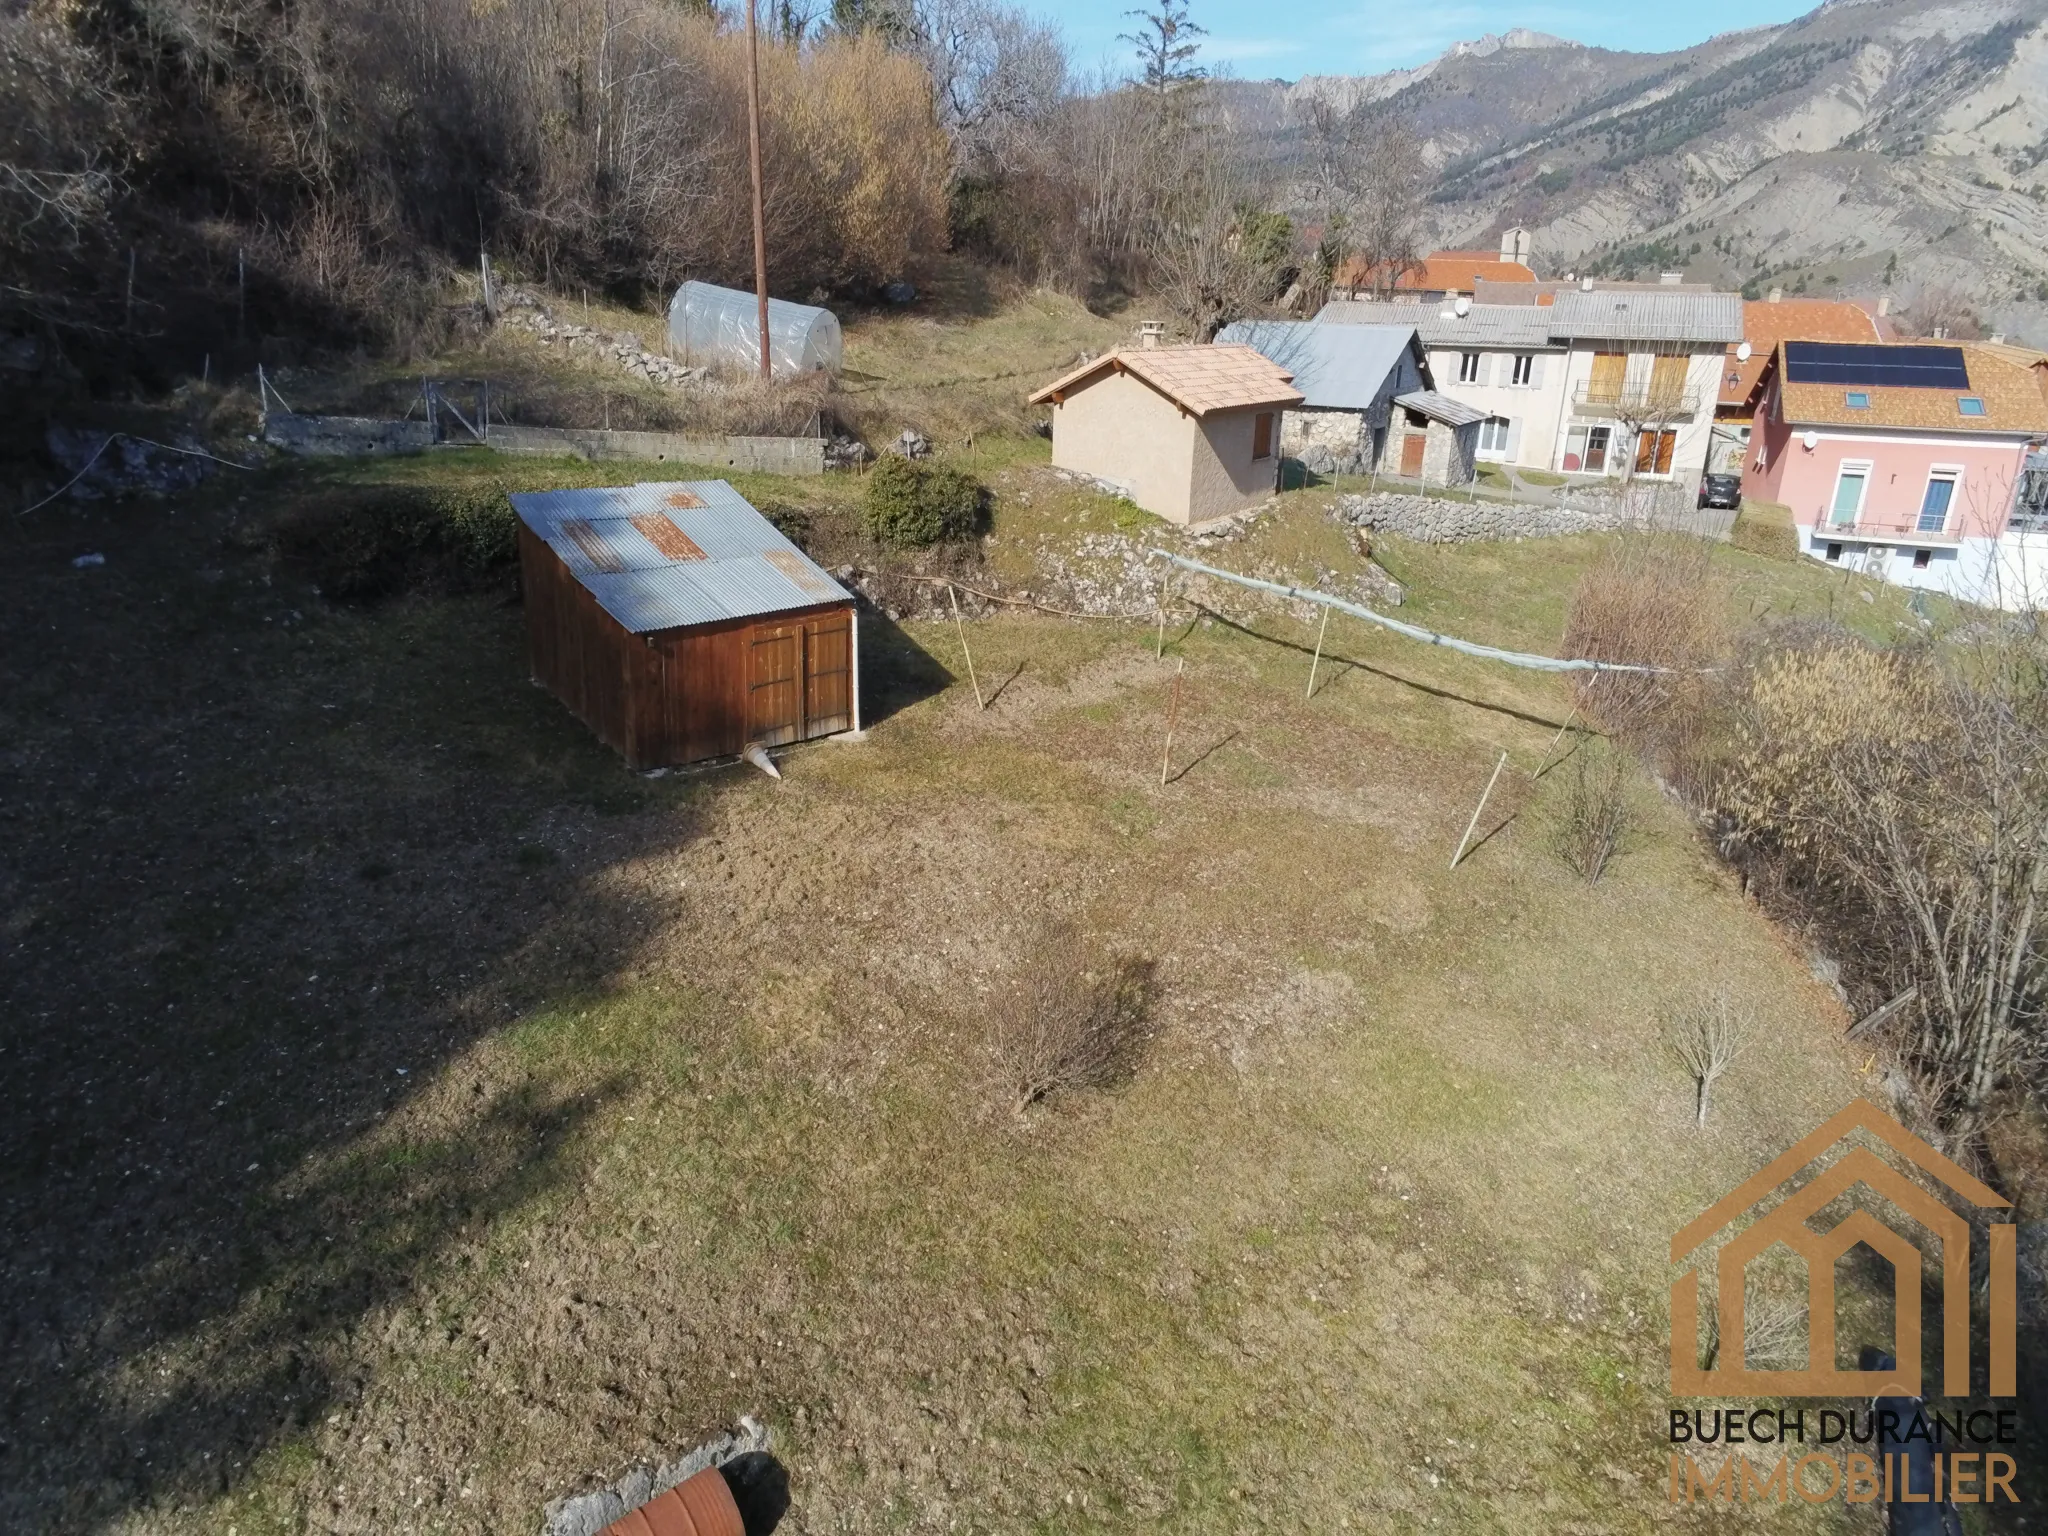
[1202, 757]
[268, 872]
[1334, 658]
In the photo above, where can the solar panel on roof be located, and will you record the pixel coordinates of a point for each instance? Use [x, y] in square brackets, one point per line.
[1851, 363]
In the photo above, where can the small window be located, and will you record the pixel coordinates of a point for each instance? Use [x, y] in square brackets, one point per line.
[1525, 368]
[1834, 551]
[1857, 400]
[1468, 368]
[1970, 405]
[1262, 435]
[1922, 558]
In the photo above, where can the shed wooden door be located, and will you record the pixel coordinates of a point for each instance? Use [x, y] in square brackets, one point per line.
[828, 675]
[1411, 454]
[775, 685]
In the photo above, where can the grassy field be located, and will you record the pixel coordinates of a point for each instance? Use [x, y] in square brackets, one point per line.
[413, 1116]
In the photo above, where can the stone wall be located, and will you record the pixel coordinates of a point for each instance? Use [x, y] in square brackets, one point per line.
[1328, 442]
[1435, 520]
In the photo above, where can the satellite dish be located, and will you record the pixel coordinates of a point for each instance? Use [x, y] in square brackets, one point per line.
[1811, 440]
[1744, 352]
[1463, 308]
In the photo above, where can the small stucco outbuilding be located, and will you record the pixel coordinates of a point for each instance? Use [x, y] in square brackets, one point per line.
[1349, 377]
[1434, 439]
[1188, 433]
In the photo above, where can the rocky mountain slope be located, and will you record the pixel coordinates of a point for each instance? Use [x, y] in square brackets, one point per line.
[1872, 145]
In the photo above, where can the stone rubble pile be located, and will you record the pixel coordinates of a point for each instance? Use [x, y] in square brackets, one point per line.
[526, 312]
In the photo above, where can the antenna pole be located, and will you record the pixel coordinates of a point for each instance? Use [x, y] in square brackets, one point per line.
[754, 156]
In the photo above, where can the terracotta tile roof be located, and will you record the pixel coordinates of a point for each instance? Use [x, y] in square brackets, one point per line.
[1441, 271]
[1200, 380]
[2013, 403]
[1764, 325]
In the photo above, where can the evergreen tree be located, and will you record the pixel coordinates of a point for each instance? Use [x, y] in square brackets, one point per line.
[1166, 46]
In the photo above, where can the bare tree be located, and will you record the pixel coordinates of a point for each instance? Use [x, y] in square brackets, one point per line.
[1706, 1039]
[1211, 258]
[1906, 797]
[997, 73]
[1593, 820]
[1366, 173]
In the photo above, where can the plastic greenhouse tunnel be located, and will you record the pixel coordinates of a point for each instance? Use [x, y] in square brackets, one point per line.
[720, 329]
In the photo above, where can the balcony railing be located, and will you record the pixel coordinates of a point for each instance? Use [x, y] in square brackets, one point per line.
[1636, 402]
[1869, 531]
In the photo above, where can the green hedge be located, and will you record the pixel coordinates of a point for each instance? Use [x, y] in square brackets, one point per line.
[910, 505]
[1765, 528]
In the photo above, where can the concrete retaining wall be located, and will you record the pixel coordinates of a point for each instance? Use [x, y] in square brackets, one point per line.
[1429, 520]
[356, 436]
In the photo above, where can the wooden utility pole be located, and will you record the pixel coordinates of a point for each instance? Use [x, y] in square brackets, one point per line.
[754, 155]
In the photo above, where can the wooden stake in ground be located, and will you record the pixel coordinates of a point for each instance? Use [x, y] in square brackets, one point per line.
[961, 629]
[754, 158]
[1172, 716]
[1165, 586]
[1544, 766]
[1319, 655]
[1479, 810]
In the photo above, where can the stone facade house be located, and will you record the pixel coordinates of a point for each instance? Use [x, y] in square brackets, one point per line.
[1188, 433]
[1434, 440]
[1349, 377]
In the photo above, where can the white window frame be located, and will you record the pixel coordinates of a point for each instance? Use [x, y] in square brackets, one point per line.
[1860, 467]
[1468, 367]
[1953, 474]
[1523, 373]
[1494, 434]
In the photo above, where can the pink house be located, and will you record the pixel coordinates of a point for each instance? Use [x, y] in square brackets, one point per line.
[1903, 461]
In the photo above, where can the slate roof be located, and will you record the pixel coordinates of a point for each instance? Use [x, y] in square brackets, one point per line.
[1452, 413]
[676, 554]
[1482, 325]
[1200, 380]
[2013, 402]
[1646, 315]
[1343, 368]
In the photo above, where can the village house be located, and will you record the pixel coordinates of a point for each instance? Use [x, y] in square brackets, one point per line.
[1440, 274]
[1765, 323]
[1905, 462]
[1604, 382]
[1188, 433]
[1349, 377]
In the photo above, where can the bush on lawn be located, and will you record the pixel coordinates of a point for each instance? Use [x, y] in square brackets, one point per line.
[910, 505]
[358, 544]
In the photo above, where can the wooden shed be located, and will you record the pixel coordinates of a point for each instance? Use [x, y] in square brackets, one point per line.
[677, 624]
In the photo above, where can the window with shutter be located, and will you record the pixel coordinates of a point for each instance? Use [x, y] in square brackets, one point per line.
[1262, 435]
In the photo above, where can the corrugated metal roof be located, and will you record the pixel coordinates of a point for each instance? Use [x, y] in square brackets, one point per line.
[1344, 368]
[740, 566]
[1452, 413]
[1647, 315]
[1482, 325]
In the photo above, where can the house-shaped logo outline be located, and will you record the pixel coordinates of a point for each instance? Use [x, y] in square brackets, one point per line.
[1786, 1223]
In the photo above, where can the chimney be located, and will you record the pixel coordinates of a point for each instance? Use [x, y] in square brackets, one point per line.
[1150, 333]
[1585, 285]
[1998, 338]
[1884, 305]
[1670, 279]
[1775, 296]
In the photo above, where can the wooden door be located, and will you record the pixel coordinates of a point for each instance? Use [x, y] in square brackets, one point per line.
[1411, 454]
[828, 675]
[775, 684]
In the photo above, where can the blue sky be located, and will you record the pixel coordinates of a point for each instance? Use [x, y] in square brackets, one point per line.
[1259, 39]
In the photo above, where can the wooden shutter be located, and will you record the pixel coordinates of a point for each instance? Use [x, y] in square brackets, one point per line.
[1262, 435]
[1667, 444]
[1609, 370]
[1667, 381]
[1514, 439]
[1536, 371]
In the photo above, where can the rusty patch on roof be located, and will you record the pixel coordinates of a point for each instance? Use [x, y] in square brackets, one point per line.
[684, 500]
[667, 537]
[595, 550]
[800, 571]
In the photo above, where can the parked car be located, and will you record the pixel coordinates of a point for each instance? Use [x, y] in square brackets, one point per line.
[1721, 491]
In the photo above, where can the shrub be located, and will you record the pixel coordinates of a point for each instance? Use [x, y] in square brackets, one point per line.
[1765, 528]
[358, 544]
[1594, 819]
[911, 505]
[1068, 1016]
